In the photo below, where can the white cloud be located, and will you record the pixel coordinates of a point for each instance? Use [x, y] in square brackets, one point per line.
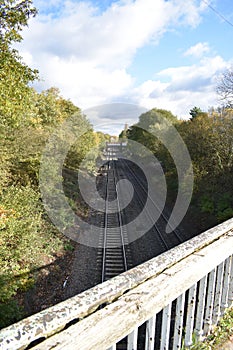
[187, 86]
[82, 82]
[86, 52]
[111, 37]
[198, 50]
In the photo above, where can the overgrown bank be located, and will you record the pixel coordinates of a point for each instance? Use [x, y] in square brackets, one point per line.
[28, 240]
[208, 138]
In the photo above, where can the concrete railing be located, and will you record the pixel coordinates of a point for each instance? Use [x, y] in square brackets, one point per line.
[164, 303]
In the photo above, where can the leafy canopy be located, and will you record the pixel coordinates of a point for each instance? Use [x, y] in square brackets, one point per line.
[14, 74]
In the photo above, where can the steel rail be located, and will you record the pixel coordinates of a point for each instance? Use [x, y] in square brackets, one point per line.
[107, 220]
[120, 221]
[163, 215]
[162, 240]
[105, 228]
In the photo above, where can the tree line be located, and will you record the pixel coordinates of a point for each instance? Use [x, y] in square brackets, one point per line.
[27, 118]
[209, 139]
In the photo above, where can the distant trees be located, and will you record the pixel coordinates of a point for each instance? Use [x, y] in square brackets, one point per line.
[209, 139]
[210, 143]
[225, 87]
[196, 112]
[142, 131]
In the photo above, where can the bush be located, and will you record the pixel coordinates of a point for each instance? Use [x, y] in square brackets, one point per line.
[207, 204]
[23, 237]
[10, 312]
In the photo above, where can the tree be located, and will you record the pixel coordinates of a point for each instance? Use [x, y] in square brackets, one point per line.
[225, 87]
[194, 111]
[201, 139]
[14, 74]
[197, 112]
[52, 108]
[14, 16]
[155, 117]
[150, 122]
[209, 141]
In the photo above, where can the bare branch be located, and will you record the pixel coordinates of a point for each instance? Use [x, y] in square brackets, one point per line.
[225, 87]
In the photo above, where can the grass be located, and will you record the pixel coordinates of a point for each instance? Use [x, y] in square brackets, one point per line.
[220, 335]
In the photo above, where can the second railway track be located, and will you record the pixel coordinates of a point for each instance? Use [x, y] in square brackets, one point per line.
[176, 236]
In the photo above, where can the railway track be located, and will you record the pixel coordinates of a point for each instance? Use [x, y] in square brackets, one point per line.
[176, 236]
[114, 241]
[114, 254]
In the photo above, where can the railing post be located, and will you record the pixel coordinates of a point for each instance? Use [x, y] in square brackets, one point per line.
[150, 333]
[166, 321]
[200, 308]
[113, 347]
[226, 282]
[178, 328]
[132, 340]
[230, 296]
[218, 294]
[190, 315]
[210, 302]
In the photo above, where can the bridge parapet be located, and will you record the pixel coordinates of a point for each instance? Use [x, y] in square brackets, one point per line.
[181, 292]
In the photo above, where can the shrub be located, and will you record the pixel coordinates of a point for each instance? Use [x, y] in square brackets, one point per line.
[24, 237]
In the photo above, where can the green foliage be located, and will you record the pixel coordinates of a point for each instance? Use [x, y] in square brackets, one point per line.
[68, 247]
[224, 207]
[225, 214]
[150, 123]
[27, 118]
[224, 202]
[20, 222]
[102, 138]
[208, 138]
[22, 238]
[215, 203]
[14, 16]
[15, 93]
[209, 141]
[10, 312]
[4, 166]
[219, 336]
[197, 112]
[52, 108]
[80, 149]
[207, 204]
[25, 146]
[155, 118]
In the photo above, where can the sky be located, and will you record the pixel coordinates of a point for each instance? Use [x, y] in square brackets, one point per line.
[144, 53]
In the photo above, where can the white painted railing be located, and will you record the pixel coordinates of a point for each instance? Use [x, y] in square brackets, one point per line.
[164, 303]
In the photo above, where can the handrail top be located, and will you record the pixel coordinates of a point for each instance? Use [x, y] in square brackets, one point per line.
[53, 319]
